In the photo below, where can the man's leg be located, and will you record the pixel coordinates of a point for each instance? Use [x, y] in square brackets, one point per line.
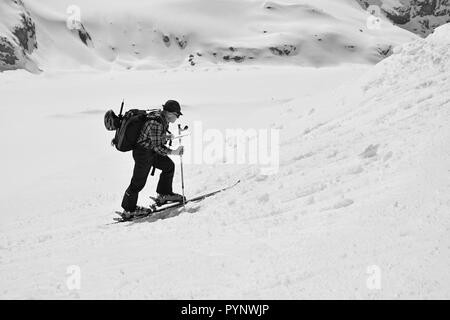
[166, 165]
[142, 163]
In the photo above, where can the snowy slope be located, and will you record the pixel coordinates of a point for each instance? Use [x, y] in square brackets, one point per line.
[153, 34]
[361, 185]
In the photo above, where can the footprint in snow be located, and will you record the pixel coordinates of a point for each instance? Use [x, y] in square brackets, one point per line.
[371, 151]
[303, 156]
[193, 209]
[264, 198]
[340, 204]
[356, 169]
[261, 178]
[388, 156]
[343, 203]
[309, 191]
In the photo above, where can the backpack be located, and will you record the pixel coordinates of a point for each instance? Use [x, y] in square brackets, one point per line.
[128, 127]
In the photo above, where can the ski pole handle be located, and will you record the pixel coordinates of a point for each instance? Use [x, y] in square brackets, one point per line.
[181, 136]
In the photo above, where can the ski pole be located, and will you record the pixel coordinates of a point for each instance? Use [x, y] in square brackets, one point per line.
[181, 136]
[181, 161]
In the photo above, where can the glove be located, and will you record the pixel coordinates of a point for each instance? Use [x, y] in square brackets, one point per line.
[178, 151]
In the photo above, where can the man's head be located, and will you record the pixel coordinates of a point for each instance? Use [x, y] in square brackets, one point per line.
[172, 110]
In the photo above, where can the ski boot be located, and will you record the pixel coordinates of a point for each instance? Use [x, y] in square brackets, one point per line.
[162, 199]
[139, 211]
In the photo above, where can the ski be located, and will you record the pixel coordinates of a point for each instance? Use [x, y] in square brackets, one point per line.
[155, 209]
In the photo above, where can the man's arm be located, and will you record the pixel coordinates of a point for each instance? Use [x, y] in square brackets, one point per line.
[155, 133]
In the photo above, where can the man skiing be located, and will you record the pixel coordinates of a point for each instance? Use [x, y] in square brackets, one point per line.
[151, 151]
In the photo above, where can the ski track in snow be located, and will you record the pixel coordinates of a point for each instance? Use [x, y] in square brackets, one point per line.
[361, 183]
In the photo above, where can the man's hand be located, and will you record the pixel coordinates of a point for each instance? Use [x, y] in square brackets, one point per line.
[178, 152]
[169, 136]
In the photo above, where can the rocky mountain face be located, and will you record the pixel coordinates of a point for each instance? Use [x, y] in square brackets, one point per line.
[418, 16]
[17, 36]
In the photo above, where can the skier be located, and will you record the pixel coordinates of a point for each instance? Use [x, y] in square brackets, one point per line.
[151, 151]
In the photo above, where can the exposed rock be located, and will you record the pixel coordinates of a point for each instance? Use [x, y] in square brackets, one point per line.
[284, 50]
[234, 58]
[7, 53]
[26, 33]
[237, 54]
[385, 51]
[181, 41]
[191, 60]
[418, 16]
[15, 49]
[84, 36]
[166, 40]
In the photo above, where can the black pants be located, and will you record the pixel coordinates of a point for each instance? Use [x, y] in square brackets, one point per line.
[143, 161]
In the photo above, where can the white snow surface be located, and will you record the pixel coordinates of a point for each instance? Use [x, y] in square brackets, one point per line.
[362, 184]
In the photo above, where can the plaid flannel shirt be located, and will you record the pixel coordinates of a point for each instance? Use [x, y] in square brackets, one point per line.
[153, 136]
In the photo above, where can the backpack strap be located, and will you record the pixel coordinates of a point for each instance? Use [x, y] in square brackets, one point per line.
[155, 114]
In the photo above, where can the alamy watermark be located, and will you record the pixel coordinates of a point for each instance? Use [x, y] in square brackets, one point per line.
[259, 147]
[73, 281]
[373, 282]
[73, 21]
[373, 22]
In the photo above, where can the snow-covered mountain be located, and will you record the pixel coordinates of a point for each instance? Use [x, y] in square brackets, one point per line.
[151, 34]
[418, 16]
[17, 36]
